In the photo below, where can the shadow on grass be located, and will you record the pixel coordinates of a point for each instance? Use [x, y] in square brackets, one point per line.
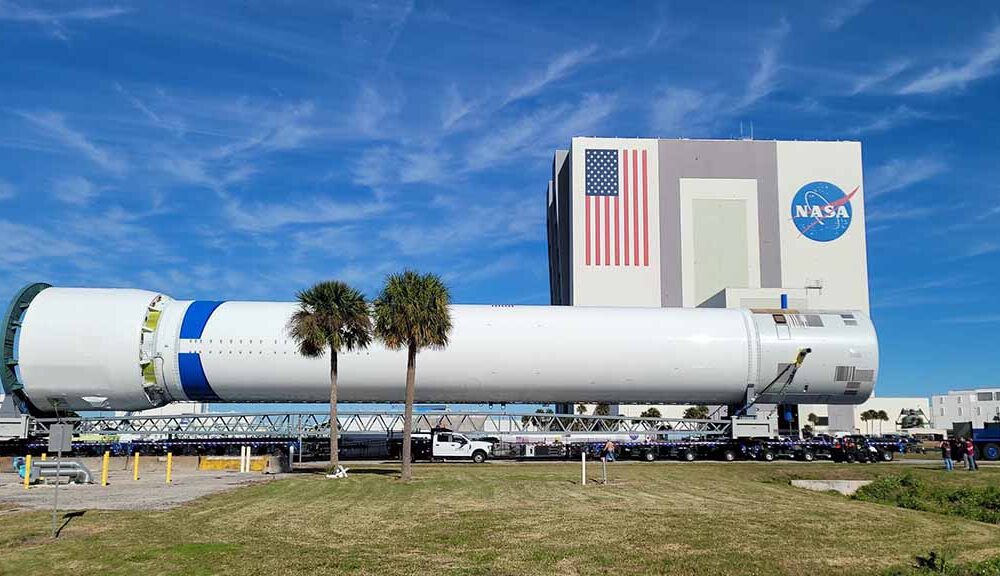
[67, 518]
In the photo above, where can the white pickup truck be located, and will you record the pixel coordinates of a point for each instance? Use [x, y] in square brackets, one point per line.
[446, 445]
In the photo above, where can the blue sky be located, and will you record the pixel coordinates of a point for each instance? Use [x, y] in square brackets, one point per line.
[245, 150]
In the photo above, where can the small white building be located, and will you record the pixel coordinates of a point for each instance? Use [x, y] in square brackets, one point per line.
[904, 415]
[979, 406]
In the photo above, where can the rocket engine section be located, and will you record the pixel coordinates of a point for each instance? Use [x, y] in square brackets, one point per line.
[85, 349]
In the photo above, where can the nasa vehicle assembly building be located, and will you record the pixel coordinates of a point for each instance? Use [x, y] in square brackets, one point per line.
[708, 224]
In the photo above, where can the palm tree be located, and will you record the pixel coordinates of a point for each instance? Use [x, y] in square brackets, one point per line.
[699, 412]
[331, 316]
[813, 419]
[412, 312]
[882, 417]
[651, 412]
[581, 409]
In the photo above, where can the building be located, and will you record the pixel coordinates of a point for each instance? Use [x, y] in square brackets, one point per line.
[904, 415]
[730, 223]
[708, 223]
[978, 406]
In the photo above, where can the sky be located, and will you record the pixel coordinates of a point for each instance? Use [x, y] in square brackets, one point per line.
[244, 150]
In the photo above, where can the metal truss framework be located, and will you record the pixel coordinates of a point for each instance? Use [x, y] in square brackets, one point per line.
[316, 424]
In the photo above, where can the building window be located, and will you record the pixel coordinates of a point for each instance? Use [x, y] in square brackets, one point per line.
[959, 399]
[979, 411]
[942, 410]
[984, 396]
[959, 410]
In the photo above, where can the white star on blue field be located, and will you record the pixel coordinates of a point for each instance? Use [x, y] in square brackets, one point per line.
[226, 150]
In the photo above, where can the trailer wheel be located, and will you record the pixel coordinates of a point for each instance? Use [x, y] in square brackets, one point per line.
[687, 456]
[649, 456]
[887, 455]
[991, 452]
[808, 456]
[767, 456]
[850, 458]
[729, 455]
[479, 456]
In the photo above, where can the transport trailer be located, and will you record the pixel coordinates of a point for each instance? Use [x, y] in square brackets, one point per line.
[987, 441]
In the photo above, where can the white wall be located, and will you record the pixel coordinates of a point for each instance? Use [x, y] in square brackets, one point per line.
[965, 406]
[615, 285]
[840, 266]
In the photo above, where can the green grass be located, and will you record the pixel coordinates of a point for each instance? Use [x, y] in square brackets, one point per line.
[701, 518]
[905, 490]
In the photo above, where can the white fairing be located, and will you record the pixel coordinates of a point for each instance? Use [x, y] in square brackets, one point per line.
[83, 343]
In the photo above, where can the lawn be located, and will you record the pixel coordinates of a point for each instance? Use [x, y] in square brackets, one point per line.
[701, 518]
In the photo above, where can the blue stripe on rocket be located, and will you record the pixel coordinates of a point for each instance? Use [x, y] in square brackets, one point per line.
[193, 378]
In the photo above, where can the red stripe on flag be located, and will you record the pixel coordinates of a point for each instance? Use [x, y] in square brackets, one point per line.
[597, 229]
[617, 235]
[587, 227]
[607, 231]
[645, 214]
[635, 204]
[625, 190]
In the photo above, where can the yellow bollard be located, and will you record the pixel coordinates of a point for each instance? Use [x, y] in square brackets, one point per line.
[104, 468]
[135, 467]
[44, 456]
[27, 471]
[170, 465]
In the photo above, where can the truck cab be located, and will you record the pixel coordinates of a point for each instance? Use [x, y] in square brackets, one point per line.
[447, 444]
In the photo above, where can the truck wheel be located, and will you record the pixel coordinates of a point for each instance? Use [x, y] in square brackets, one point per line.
[767, 456]
[850, 459]
[649, 456]
[887, 455]
[687, 456]
[729, 455]
[991, 452]
[808, 456]
[479, 456]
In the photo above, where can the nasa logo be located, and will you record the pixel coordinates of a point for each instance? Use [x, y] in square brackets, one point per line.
[821, 211]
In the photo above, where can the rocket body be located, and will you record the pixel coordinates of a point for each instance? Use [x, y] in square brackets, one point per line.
[86, 349]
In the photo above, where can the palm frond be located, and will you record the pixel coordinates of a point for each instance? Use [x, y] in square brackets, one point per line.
[413, 309]
[331, 315]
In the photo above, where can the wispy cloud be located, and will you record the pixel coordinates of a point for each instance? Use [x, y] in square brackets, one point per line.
[7, 190]
[902, 173]
[883, 214]
[888, 71]
[55, 126]
[74, 190]
[22, 243]
[54, 21]
[844, 11]
[765, 78]
[680, 112]
[980, 64]
[982, 248]
[454, 107]
[562, 66]
[914, 292]
[888, 120]
[266, 216]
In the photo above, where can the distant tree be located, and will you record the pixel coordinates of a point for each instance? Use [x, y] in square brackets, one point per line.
[602, 409]
[882, 417]
[413, 312]
[813, 419]
[581, 409]
[807, 431]
[651, 412]
[699, 412]
[332, 317]
[540, 422]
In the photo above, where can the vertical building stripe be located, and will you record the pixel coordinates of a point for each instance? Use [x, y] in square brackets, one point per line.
[645, 213]
[607, 231]
[635, 205]
[625, 191]
[597, 230]
[586, 219]
[617, 234]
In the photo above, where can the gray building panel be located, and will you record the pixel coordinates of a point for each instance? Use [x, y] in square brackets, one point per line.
[746, 159]
[563, 208]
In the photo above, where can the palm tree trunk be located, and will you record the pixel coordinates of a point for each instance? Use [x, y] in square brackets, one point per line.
[411, 372]
[334, 425]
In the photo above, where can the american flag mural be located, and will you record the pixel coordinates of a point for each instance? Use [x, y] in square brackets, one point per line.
[617, 207]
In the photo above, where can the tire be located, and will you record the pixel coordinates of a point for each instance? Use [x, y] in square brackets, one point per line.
[729, 455]
[991, 451]
[887, 456]
[649, 456]
[850, 459]
[808, 456]
[767, 456]
[479, 456]
[687, 456]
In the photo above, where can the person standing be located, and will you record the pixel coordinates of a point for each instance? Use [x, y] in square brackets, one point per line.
[949, 464]
[970, 456]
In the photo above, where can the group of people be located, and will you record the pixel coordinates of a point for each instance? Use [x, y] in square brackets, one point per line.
[959, 448]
